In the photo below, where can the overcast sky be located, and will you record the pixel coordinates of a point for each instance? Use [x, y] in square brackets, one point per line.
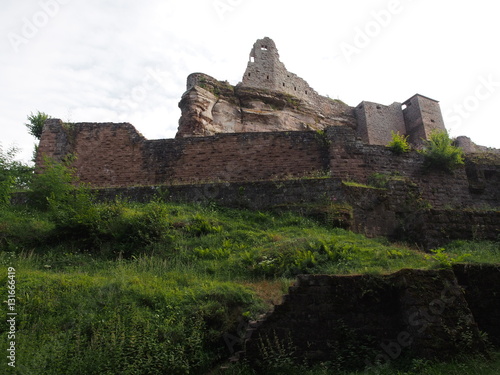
[127, 60]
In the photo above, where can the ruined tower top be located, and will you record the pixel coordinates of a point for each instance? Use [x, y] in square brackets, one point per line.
[266, 71]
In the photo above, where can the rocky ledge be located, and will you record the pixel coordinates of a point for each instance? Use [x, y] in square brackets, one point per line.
[210, 107]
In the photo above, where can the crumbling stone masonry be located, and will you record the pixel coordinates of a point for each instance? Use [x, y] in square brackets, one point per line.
[368, 320]
[274, 127]
[256, 105]
[265, 70]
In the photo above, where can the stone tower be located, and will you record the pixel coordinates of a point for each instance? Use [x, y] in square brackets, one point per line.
[266, 71]
[422, 116]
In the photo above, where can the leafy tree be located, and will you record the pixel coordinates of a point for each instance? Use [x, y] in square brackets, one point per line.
[36, 123]
[440, 153]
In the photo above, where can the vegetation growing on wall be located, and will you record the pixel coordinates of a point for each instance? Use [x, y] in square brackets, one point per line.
[36, 123]
[440, 153]
[399, 143]
[128, 288]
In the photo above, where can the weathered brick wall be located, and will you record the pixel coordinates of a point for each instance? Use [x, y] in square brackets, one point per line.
[353, 160]
[265, 70]
[481, 287]
[117, 155]
[483, 173]
[237, 157]
[442, 226]
[362, 320]
[394, 212]
[422, 117]
[107, 154]
[377, 121]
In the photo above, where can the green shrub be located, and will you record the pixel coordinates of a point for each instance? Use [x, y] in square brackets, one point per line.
[441, 154]
[399, 144]
[14, 175]
[56, 181]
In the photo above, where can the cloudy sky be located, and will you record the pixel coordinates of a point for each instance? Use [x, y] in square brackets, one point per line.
[127, 60]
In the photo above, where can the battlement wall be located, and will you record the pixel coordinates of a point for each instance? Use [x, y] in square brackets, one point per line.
[116, 155]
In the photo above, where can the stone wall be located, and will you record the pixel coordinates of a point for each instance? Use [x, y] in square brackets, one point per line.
[376, 122]
[422, 117]
[107, 154]
[265, 70]
[481, 287]
[358, 321]
[117, 155]
[437, 227]
[395, 212]
[417, 118]
[353, 160]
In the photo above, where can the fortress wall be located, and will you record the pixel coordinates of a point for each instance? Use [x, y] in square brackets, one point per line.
[117, 155]
[323, 317]
[352, 160]
[107, 154]
[238, 157]
[377, 121]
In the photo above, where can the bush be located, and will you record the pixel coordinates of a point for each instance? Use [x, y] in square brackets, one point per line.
[55, 182]
[440, 153]
[14, 175]
[399, 144]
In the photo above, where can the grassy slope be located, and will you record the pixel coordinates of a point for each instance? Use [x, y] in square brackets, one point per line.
[152, 289]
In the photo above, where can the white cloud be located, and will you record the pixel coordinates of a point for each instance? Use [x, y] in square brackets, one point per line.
[128, 61]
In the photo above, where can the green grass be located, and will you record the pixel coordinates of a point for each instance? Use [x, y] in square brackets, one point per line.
[476, 366]
[127, 288]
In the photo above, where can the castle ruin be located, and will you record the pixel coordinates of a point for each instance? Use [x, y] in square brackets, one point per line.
[274, 127]
[232, 110]
[265, 70]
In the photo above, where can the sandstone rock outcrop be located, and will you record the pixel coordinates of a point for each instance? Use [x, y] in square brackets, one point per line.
[210, 107]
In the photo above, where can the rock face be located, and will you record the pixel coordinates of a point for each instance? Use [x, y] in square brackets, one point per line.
[210, 107]
[270, 98]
